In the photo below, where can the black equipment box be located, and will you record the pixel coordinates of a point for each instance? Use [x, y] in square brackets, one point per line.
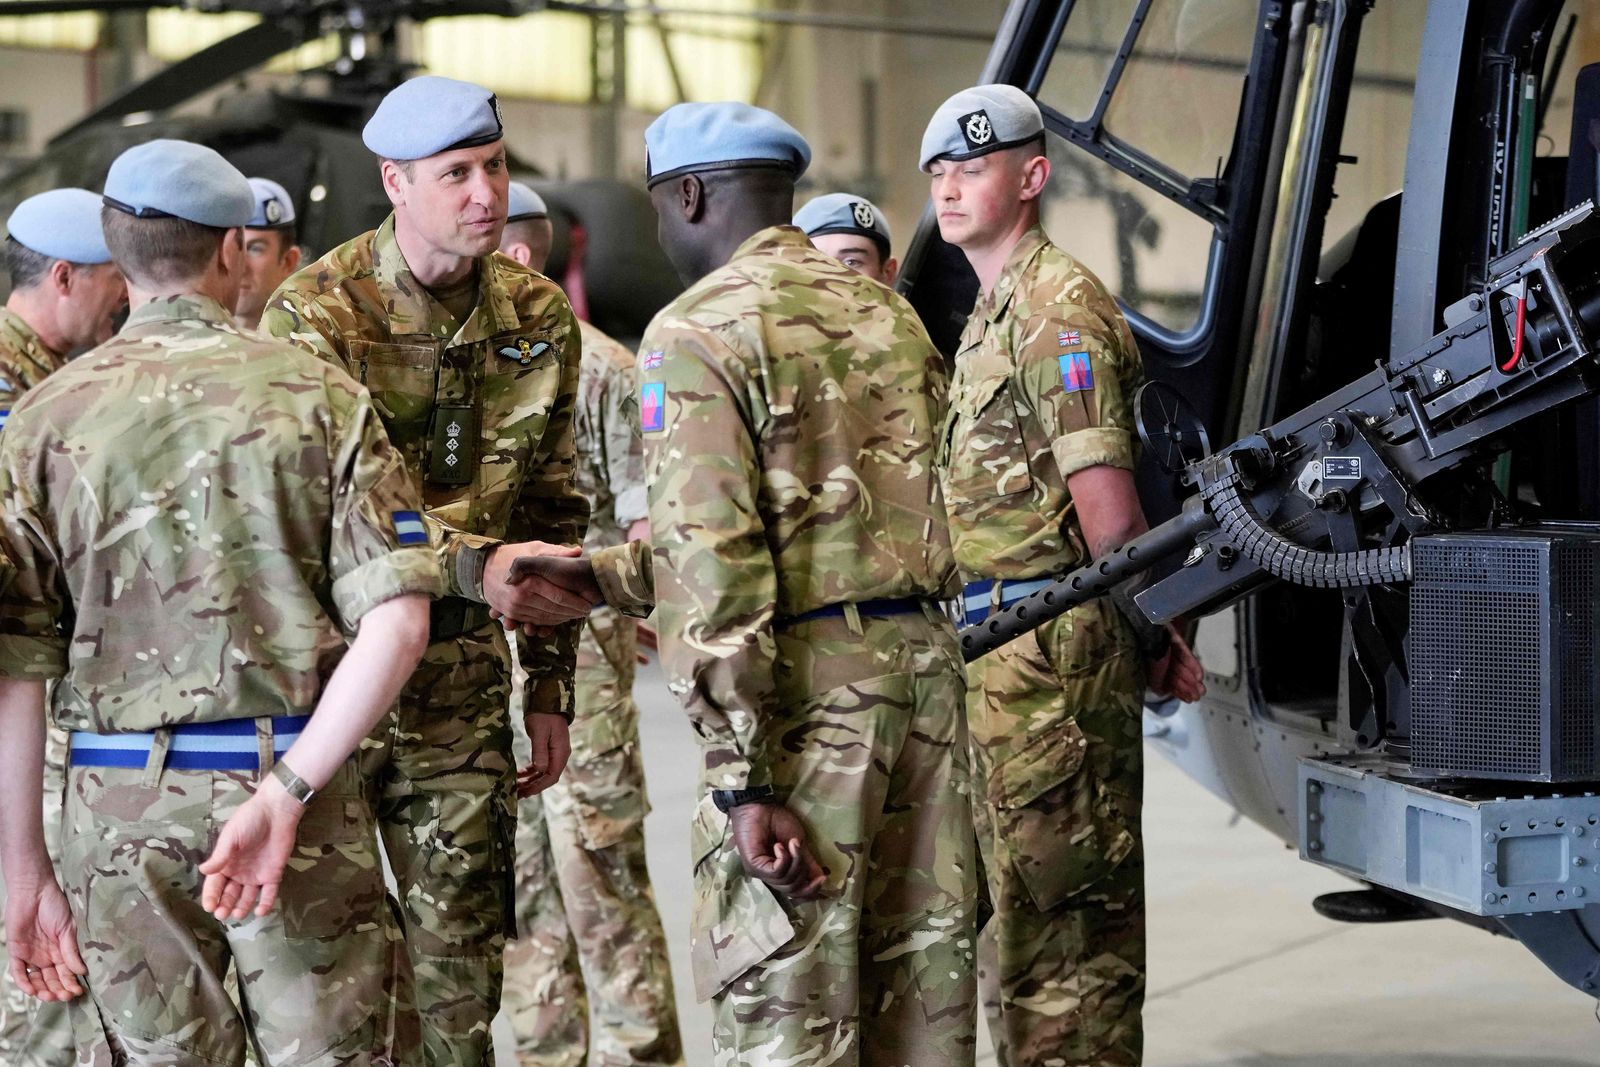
[1502, 654]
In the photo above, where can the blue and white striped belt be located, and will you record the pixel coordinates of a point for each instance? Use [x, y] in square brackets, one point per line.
[199, 746]
[978, 597]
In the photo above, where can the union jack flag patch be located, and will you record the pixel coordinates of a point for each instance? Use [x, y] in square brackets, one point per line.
[652, 360]
[1068, 338]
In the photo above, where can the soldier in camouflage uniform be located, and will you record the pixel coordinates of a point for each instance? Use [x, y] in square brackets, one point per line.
[1036, 458]
[590, 933]
[800, 547]
[852, 230]
[243, 494]
[64, 285]
[472, 360]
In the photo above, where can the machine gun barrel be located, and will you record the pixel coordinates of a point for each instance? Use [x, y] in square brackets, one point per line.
[1084, 584]
[1329, 496]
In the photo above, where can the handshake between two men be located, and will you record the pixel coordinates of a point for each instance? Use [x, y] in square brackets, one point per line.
[536, 587]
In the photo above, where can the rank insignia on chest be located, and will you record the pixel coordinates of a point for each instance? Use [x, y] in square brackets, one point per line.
[453, 452]
[1068, 338]
[652, 360]
[409, 528]
[653, 407]
[1075, 373]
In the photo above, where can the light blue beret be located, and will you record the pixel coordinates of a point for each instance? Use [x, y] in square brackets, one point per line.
[844, 213]
[273, 206]
[524, 203]
[694, 137]
[980, 120]
[61, 224]
[428, 115]
[179, 179]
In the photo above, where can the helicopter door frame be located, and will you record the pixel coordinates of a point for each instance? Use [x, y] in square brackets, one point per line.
[1199, 361]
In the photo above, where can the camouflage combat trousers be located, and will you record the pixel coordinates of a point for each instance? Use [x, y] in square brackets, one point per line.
[869, 750]
[323, 976]
[1057, 744]
[441, 774]
[586, 913]
[37, 1033]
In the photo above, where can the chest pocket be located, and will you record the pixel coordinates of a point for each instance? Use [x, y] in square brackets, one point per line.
[402, 379]
[985, 455]
[522, 375]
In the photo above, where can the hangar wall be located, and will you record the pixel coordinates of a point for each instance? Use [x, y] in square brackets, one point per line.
[862, 98]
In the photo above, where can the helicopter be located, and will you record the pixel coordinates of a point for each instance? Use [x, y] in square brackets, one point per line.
[1319, 723]
[308, 138]
[1265, 334]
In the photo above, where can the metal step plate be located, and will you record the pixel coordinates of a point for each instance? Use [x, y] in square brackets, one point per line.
[1466, 845]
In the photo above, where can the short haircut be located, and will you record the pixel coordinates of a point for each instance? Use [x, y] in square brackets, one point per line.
[288, 234]
[408, 167]
[525, 230]
[159, 251]
[26, 267]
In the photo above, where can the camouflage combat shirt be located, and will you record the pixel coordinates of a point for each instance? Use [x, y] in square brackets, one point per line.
[510, 370]
[1043, 388]
[199, 520]
[790, 408]
[24, 360]
[610, 472]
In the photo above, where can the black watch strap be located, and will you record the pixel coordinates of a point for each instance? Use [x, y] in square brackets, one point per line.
[728, 799]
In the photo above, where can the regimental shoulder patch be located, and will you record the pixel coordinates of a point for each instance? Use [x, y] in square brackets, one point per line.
[1068, 338]
[654, 359]
[653, 407]
[409, 528]
[1076, 374]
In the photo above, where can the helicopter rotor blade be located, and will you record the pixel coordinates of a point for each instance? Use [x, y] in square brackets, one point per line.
[189, 77]
[68, 7]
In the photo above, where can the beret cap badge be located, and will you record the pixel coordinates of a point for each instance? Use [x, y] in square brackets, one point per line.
[976, 129]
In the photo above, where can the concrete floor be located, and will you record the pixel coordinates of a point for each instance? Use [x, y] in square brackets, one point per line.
[1242, 972]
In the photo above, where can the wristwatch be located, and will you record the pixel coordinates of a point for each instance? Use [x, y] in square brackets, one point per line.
[292, 783]
[728, 799]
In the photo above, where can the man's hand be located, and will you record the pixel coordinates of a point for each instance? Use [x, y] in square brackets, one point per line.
[1177, 672]
[572, 574]
[43, 945]
[247, 865]
[771, 841]
[522, 594]
[551, 748]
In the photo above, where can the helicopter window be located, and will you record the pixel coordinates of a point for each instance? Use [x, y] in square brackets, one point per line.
[1151, 252]
[1144, 97]
[1179, 95]
[1084, 56]
[1373, 146]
